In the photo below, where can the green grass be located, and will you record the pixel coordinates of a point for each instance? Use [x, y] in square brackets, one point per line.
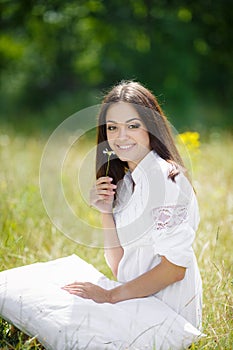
[28, 236]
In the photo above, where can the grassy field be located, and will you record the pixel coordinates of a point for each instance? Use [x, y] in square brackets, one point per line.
[28, 236]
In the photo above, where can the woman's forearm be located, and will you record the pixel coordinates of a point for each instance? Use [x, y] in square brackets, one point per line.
[113, 249]
[149, 283]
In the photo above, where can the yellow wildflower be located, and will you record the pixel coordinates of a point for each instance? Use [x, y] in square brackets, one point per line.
[191, 140]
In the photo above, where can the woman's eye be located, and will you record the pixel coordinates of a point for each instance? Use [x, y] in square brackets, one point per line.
[134, 126]
[111, 127]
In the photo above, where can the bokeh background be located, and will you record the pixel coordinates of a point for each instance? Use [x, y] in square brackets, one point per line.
[57, 57]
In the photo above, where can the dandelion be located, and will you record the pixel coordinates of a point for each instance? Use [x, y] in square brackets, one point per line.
[109, 154]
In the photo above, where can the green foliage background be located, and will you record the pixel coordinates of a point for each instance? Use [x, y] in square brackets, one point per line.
[57, 57]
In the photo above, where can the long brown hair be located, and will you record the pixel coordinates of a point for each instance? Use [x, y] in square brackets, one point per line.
[157, 125]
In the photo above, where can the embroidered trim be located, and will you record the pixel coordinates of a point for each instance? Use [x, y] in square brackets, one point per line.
[169, 216]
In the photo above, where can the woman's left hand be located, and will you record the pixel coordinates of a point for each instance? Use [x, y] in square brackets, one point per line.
[88, 290]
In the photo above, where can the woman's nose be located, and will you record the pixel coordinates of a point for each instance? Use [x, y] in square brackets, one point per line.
[122, 133]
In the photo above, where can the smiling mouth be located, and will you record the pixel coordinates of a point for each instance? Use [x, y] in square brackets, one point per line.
[125, 147]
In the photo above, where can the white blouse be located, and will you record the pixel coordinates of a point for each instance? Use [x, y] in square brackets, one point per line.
[156, 217]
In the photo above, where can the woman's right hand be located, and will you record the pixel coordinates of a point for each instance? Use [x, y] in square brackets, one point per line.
[102, 194]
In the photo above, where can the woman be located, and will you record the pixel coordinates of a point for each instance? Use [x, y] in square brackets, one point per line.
[148, 206]
[150, 215]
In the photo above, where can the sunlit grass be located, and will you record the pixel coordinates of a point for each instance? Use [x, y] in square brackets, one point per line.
[27, 234]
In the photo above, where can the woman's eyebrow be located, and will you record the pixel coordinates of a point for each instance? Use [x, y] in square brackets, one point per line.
[127, 121]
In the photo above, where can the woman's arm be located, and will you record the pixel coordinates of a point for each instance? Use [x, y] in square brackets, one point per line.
[102, 197]
[113, 249]
[148, 283]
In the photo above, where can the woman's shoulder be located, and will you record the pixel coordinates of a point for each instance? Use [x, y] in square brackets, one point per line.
[179, 186]
[159, 166]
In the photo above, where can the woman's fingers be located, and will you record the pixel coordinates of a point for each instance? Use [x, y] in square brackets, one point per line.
[102, 194]
[104, 198]
[104, 189]
[73, 287]
[77, 288]
[105, 192]
[106, 186]
[103, 179]
[88, 290]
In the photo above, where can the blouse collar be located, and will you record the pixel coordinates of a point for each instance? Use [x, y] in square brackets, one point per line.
[144, 166]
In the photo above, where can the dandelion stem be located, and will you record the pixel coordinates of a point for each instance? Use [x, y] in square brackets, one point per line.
[107, 170]
[109, 153]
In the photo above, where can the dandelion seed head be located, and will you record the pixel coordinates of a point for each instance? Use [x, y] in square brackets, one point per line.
[109, 153]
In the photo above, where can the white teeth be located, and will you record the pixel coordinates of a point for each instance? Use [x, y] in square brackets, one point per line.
[125, 147]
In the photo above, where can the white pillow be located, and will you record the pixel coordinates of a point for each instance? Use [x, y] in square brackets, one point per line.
[31, 298]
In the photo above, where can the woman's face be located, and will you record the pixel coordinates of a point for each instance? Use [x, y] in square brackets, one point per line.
[126, 133]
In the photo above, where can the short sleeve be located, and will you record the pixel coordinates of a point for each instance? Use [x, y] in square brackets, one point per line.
[174, 224]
